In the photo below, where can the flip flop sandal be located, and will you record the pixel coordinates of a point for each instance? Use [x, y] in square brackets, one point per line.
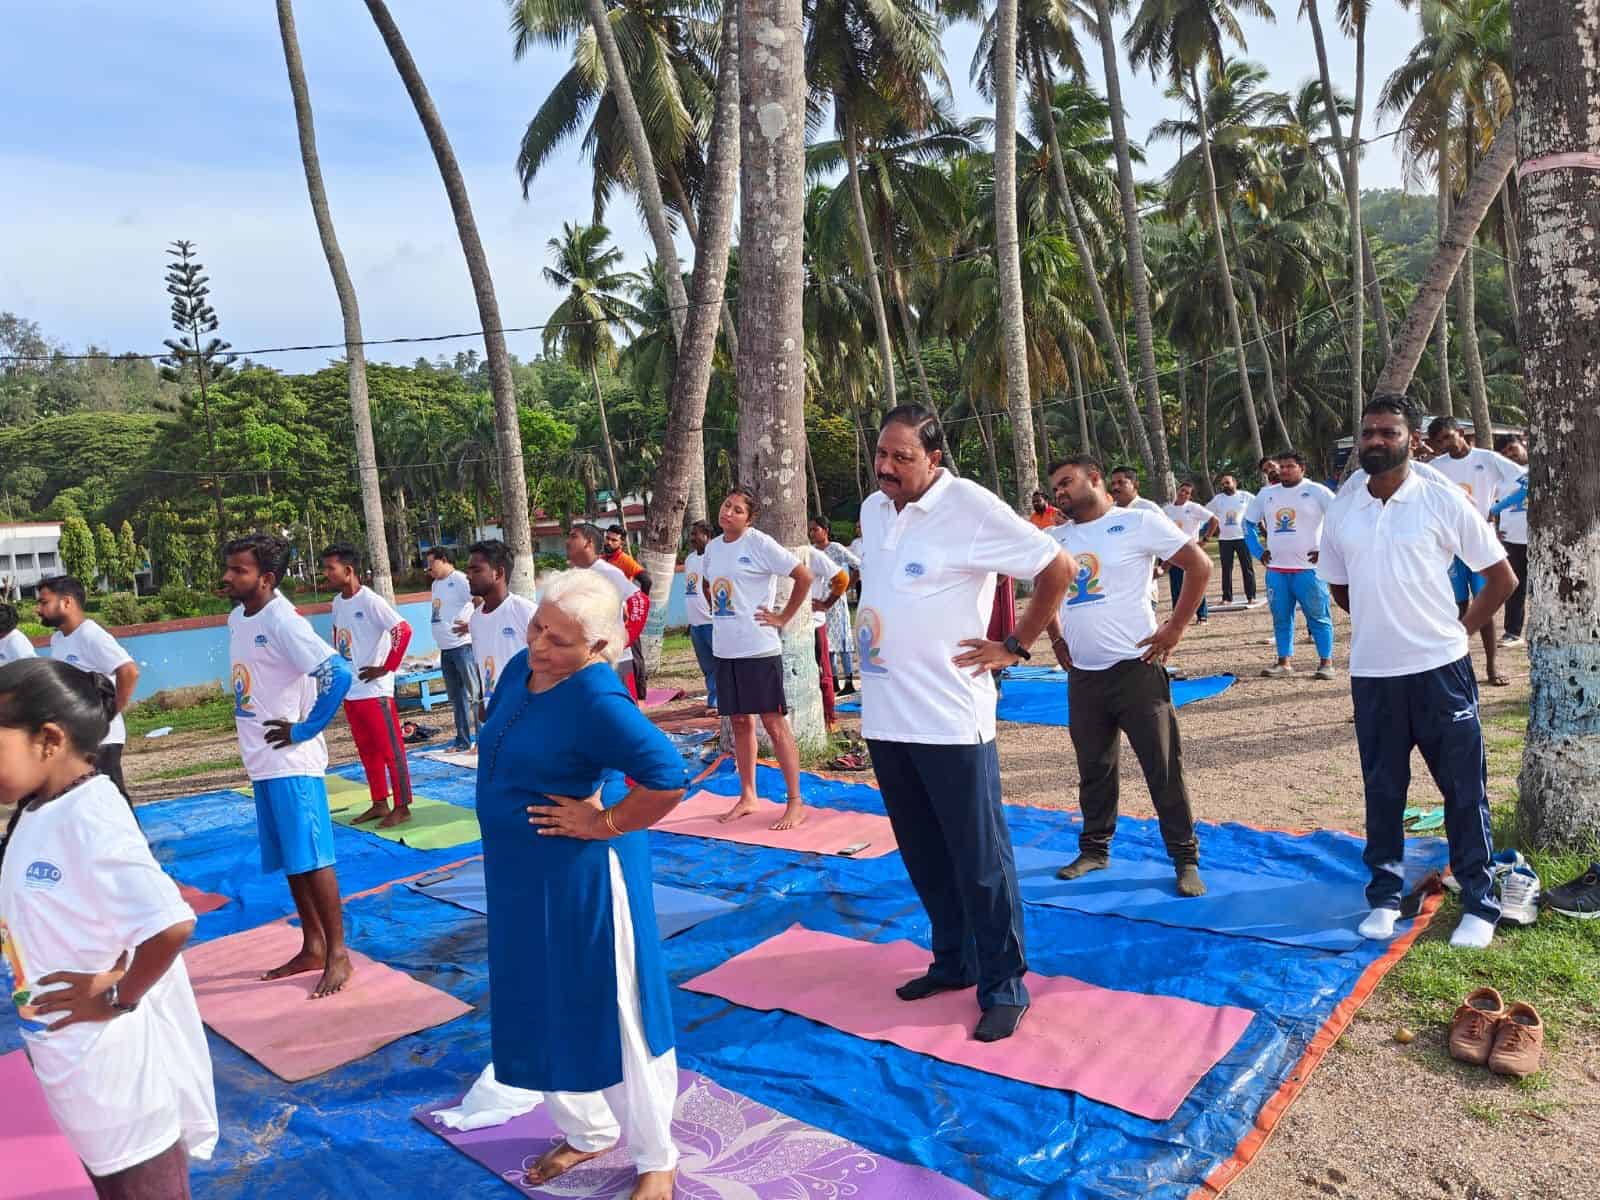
[1499, 681]
[852, 762]
[1411, 903]
[1428, 821]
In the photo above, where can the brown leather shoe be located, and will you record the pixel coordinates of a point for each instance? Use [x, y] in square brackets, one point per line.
[1518, 1042]
[1473, 1028]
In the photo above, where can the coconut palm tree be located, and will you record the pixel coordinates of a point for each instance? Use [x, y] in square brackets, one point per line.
[349, 309]
[582, 328]
[1175, 36]
[508, 433]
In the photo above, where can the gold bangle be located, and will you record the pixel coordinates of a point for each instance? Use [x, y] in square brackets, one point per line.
[611, 824]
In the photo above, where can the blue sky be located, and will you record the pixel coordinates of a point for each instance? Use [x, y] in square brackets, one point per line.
[132, 125]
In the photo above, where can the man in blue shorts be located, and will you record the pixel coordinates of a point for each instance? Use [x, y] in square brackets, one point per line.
[286, 687]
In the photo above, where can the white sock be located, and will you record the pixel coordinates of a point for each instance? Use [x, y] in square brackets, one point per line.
[1378, 925]
[1473, 933]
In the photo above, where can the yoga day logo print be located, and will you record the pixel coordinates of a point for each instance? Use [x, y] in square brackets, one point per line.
[869, 642]
[722, 597]
[691, 583]
[488, 675]
[242, 700]
[1283, 520]
[1086, 587]
[342, 642]
[438, 605]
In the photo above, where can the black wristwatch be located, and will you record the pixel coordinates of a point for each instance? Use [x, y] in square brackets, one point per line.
[115, 1001]
[1015, 647]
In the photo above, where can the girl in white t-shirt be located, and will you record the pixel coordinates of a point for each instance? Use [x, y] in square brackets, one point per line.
[91, 930]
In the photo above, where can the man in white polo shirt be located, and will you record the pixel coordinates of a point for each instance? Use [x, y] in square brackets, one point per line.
[1479, 473]
[1200, 523]
[694, 601]
[81, 642]
[1291, 511]
[1109, 642]
[932, 545]
[1511, 510]
[1229, 506]
[1386, 551]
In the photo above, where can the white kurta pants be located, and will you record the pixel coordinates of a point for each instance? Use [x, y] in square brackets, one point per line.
[638, 1110]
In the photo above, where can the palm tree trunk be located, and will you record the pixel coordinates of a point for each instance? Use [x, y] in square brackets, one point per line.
[691, 226]
[508, 432]
[1380, 310]
[1041, 427]
[679, 488]
[858, 208]
[1090, 270]
[355, 355]
[1183, 414]
[986, 431]
[644, 164]
[1205, 416]
[1558, 800]
[1161, 483]
[1482, 188]
[811, 475]
[1008, 255]
[1229, 303]
[1441, 330]
[611, 451]
[1259, 334]
[1116, 426]
[771, 367]
[897, 285]
[1085, 443]
[1467, 316]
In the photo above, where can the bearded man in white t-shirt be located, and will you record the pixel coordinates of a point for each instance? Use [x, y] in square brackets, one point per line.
[82, 643]
[932, 546]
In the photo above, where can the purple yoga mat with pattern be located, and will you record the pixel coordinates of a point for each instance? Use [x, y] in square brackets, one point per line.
[732, 1149]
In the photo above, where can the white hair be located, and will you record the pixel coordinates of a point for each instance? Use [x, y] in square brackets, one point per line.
[591, 601]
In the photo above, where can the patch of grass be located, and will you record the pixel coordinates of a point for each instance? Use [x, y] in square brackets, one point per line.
[212, 715]
[1481, 1110]
[231, 763]
[676, 645]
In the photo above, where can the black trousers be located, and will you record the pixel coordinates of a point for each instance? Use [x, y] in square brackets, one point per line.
[1232, 549]
[108, 761]
[944, 804]
[1135, 698]
[1517, 604]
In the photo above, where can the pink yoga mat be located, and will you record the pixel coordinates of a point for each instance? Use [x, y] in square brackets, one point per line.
[201, 902]
[656, 697]
[826, 830]
[292, 1035]
[36, 1161]
[1140, 1053]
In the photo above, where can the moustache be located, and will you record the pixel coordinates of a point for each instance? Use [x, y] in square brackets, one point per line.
[882, 478]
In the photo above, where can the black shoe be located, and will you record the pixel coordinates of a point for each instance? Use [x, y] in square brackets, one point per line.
[848, 689]
[1579, 897]
[1083, 864]
[999, 1022]
[1189, 881]
[924, 986]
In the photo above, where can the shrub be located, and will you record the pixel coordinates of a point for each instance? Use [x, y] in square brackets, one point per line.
[176, 600]
[120, 608]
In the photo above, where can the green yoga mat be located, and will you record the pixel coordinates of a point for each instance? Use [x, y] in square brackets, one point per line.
[337, 785]
[434, 825]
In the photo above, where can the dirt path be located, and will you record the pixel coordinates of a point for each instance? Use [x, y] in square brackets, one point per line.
[1378, 1119]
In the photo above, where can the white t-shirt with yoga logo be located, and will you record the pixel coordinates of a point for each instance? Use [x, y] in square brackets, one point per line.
[15, 645]
[362, 628]
[1293, 517]
[1229, 511]
[1106, 613]
[1479, 473]
[1191, 516]
[498, 637]
[452, 602]
[274, 654]
[78, 889]
[694, 600]
[927, 583]
[743, 576]
[91, 648]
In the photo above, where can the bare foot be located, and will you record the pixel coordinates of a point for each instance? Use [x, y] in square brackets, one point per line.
[653, 1185]
[372, 814]
[553, 1164]
[794, 814]
[746, 806]
[710, 712]
[309, 959]
[334, 977]
[397, 817]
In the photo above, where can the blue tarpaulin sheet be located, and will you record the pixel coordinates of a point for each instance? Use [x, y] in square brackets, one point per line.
[348, 1133]
[1038, 695]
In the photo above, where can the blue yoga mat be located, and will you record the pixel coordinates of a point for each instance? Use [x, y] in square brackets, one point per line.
[1038, 695]
[1320, 914]
[676, 908]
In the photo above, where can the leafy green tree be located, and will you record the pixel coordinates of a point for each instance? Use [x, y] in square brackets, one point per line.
[209, 360]
[77, 550]
[130, 557]
[169, 550]
[106, 558]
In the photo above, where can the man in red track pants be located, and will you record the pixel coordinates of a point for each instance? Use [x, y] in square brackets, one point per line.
[370, 635]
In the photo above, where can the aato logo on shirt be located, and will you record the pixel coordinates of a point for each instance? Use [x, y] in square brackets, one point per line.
[1117, 529]
[1086, 587]
[915, 570]
[242, 700]
[507, 631]
[72, 658]
[438, 606]
[745, 561]
[261, 639]
[342, 642]
[41, 874]
[869, 640]
[1283, 520]
[360, 616]
[722, 598]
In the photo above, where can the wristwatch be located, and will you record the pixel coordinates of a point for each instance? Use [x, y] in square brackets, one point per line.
[115, 1001]
[1015, 647]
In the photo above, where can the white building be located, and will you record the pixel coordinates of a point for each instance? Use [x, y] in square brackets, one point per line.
[29, 551]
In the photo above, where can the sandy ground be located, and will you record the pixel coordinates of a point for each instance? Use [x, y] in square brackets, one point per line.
[1378, 1119]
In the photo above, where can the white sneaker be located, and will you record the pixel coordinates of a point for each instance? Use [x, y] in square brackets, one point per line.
[1510, 640]
[1378, 925]
[1323, 673]
[1501, 865]
[1519, 896]
[1277, 672]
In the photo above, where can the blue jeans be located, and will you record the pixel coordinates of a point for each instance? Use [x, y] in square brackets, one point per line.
[700, 639]
[1175, 581]
[944, 805]
[1437, 712]
[460, 684]
[1285, 589]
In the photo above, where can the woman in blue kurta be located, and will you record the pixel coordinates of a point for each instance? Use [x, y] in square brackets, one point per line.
[580, 1006]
